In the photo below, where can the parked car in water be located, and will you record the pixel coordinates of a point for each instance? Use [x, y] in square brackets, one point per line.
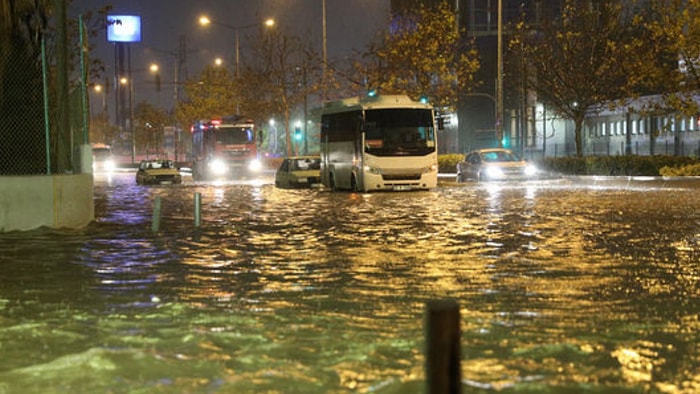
[299, 172]
[494, 164]
[157, 171]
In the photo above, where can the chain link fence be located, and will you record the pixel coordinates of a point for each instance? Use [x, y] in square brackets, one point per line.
[32, 140]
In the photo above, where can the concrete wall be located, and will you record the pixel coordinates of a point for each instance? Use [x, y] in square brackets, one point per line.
[57, 201]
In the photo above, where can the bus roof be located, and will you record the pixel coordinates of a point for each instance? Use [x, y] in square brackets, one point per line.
[375, 102]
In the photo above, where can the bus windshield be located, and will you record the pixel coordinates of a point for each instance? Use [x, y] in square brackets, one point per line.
[399, 132]
[234, 135]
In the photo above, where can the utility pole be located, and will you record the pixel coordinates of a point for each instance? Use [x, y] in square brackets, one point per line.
[499, 78]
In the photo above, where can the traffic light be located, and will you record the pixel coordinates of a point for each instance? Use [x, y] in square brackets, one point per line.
[505, 141]
[297, 134]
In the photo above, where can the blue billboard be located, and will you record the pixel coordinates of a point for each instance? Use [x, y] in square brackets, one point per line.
[123, 28]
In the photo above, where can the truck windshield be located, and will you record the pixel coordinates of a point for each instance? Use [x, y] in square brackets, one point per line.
[234, 135]
[399, 132]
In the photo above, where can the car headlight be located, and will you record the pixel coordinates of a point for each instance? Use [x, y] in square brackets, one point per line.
[530, 170]
[255, 165]
[218, 167]
[494, 172]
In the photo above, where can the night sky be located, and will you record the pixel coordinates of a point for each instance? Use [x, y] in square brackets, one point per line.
[351, 24]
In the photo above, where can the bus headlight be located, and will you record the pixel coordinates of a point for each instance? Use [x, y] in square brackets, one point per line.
[373, 170]
[218, 167]
[429, 169]
[255, 165]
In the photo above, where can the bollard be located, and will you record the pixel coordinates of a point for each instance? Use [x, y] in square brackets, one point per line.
[443, 373]
[155, 222]
[197, 209]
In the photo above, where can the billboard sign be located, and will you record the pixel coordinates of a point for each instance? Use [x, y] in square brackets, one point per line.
[123, 28]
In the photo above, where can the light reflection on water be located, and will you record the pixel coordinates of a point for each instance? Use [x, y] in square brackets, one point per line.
[561, 288]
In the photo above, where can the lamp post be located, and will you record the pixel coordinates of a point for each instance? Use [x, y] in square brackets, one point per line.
[325, 48]
[206, 21]
[499, 78]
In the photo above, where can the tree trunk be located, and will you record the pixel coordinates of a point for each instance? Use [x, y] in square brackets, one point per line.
[578, 135]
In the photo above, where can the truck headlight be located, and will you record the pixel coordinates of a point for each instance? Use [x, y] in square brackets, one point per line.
[255, 165]
[218, 167]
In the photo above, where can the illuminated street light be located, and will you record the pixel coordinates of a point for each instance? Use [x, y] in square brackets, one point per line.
[218, 62]
[206, 21]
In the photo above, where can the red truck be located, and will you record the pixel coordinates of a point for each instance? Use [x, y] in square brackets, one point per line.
[225, 148]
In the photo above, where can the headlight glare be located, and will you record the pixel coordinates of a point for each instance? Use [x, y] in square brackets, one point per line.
[373, 170]
[218, 167]
[494, 172]
[530, 170]
[255, 165]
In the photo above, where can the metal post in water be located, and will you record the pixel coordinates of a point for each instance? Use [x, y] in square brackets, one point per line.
[197, 209]
[442, 353]
[155, 222]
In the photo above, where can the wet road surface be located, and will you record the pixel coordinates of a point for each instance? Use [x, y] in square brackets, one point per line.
[564, 286]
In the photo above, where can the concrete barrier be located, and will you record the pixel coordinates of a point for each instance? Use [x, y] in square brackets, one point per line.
[57, 201]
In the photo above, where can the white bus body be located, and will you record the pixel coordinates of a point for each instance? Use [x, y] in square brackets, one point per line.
[378, 143]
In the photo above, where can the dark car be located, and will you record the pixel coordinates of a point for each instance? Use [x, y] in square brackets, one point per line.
[494, 164]
[157, 171]
[299, 172]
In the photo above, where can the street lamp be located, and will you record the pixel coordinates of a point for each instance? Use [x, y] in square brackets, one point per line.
[206, 21]
[499, 77]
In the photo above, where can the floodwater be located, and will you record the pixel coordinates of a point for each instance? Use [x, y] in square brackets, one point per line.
[563, 287]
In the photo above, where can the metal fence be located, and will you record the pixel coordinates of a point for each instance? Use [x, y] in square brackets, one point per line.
[32, 141]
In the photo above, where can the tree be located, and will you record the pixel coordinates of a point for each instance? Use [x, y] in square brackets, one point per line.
[583, 60]
[212, 94]
[149, 123]
[673, 35]
[285, 72]
[422, 55]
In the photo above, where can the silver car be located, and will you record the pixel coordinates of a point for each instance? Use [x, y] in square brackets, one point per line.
[493, 165]
[299, 172]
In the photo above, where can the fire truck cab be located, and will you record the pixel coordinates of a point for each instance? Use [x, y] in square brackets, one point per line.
[225, 148]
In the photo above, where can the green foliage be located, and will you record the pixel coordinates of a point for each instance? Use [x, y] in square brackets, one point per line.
[683, 170]
[628, 165]
[422, 56]
[581, 60]
[212, 94]
[448, 162]
[149, 124]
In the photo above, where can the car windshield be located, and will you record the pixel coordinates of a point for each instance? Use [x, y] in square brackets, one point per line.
[159, 164]
[498, 156]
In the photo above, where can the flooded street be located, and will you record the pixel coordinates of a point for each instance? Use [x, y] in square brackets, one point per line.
[564, 286]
